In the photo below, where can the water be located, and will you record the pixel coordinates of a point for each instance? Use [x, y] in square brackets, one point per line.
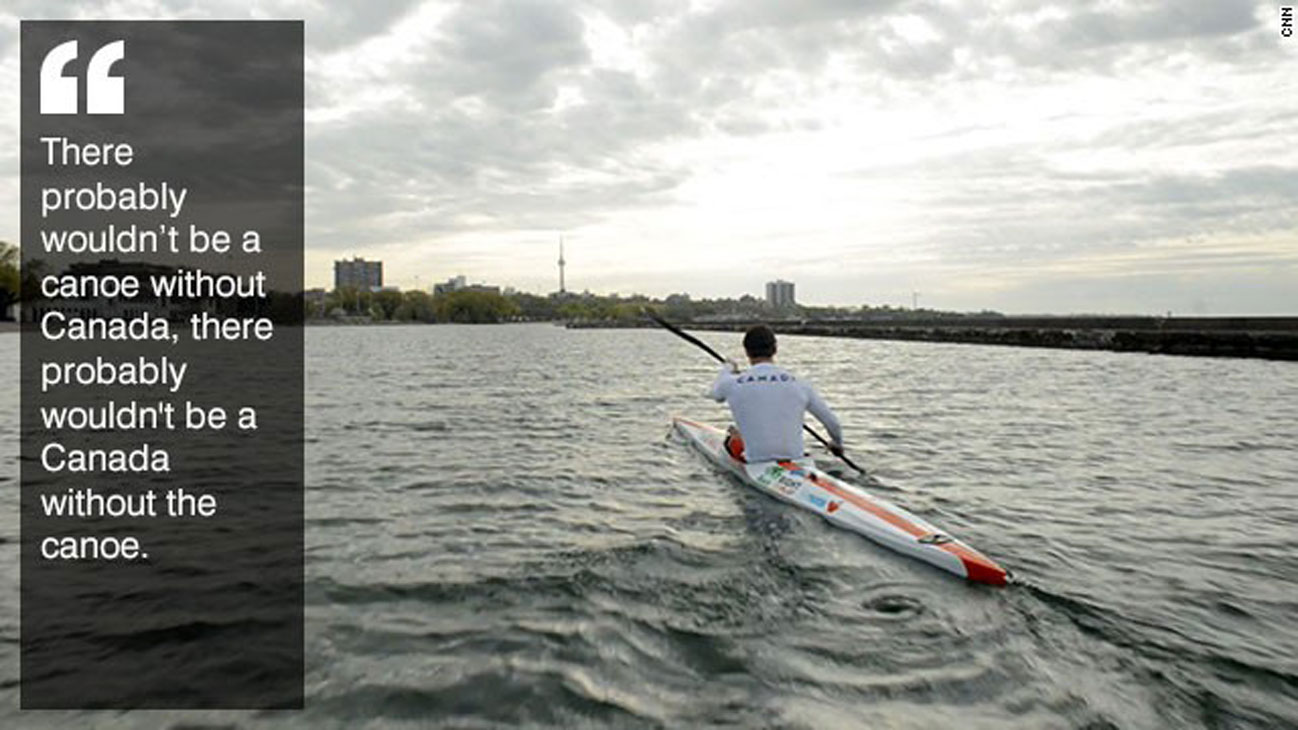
[500, 534]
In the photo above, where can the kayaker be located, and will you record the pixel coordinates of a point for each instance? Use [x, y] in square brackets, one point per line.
[767, 403]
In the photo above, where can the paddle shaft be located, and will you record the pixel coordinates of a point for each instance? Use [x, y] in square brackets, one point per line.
[704, 346]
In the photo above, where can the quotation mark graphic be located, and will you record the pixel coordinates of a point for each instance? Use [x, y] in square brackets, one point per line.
[104, 94]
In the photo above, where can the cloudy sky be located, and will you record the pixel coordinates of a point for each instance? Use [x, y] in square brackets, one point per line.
[1020, 156]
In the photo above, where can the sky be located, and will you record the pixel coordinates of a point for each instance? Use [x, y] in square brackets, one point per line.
[1017, 156]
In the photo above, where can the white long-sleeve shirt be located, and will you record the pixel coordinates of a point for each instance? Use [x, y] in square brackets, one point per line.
[767, 403]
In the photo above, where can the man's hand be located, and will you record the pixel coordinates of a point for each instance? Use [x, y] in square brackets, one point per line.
[732, 366]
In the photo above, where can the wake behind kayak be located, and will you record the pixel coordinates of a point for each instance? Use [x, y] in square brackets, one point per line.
[798, 482]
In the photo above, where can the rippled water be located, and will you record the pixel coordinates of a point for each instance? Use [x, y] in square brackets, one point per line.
[499, 534]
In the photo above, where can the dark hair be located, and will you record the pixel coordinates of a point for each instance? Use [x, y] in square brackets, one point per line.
[759, 341]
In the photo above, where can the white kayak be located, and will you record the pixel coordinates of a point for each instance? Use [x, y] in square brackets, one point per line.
[800, 483]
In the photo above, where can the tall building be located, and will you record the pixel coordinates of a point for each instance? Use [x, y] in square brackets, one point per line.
[561, 265]
[779, 294]
[358, 273]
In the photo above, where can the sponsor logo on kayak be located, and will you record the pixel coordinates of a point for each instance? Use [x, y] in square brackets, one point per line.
[770, 475]
[833, 506]
[817, 501]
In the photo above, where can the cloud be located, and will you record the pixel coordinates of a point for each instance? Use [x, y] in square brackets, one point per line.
[909, 136]
[509, 53]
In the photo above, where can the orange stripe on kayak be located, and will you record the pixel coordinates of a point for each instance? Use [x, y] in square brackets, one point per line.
[895, 520]
[977, 567]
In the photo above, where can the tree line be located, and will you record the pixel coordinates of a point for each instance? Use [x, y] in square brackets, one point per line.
[10, 277]
[413, 306]
[470, 306]
[476, 306]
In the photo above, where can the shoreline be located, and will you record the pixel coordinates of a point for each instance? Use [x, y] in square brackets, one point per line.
[1267, 338]
[1264, 338]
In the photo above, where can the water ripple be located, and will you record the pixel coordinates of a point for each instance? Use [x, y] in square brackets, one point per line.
[499, 535]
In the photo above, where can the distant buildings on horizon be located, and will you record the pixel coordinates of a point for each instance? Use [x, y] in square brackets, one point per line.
[779, 294]
[459, 283]
[365, 275]
[358, 274]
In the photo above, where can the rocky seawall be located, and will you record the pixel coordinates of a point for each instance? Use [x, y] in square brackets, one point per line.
[1274, 338]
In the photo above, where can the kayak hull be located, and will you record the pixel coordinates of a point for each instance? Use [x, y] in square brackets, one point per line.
[800, 483]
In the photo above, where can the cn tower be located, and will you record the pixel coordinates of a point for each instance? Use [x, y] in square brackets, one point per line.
[561, 262]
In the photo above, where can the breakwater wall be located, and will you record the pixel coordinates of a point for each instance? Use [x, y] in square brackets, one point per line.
[1274, 338]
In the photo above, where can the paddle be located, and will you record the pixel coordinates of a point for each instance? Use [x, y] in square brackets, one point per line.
[717, 356]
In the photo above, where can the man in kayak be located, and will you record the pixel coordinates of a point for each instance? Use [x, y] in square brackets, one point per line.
[767, 403]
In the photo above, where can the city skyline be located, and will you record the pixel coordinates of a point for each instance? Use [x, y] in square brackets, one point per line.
[1020, 157]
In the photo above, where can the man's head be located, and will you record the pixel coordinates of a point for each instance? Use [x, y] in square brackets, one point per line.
[759, 343]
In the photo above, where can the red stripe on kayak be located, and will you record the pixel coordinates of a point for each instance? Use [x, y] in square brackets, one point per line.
[895, 520]
[977, 567]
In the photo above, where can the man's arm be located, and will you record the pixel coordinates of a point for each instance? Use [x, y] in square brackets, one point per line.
[720, 389]
[822, 412]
